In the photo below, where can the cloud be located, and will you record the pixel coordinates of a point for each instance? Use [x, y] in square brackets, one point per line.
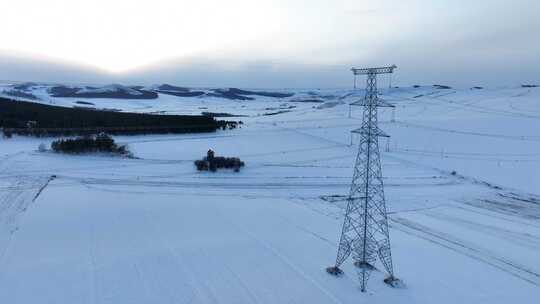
[28, 68]
[282, 43]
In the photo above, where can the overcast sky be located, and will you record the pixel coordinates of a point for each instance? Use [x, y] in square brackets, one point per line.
[269, 43]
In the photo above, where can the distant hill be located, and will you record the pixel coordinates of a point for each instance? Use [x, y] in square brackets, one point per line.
[111, 91]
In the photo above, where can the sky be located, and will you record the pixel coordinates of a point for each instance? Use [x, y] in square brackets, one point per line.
[269, 43]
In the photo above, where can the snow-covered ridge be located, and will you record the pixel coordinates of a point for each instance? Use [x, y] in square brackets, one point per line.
[173, 99]
[109, 88]
[117, 91]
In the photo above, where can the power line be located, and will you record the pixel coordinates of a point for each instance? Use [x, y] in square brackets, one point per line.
[492, 135]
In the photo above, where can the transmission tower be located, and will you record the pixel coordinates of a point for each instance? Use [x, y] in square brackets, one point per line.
[365, 227]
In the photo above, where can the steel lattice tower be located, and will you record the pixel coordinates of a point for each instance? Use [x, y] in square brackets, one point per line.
[365, 227]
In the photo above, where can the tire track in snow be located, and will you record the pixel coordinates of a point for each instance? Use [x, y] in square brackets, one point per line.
[494, 214]
[221, 277]
[191, 284]
[242, 185]
[470, 250]
[93, 265]
[520, 238]
[140, 273]
[284, 259]
[13, 203]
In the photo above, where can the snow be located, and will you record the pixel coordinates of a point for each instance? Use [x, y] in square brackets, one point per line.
[154, 230]
[109, 88]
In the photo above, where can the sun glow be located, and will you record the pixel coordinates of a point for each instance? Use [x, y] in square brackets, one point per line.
[118, 36]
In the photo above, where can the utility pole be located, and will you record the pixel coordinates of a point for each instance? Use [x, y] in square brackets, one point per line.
[365, 227]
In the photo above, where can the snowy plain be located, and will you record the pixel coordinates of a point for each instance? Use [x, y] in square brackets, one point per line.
[154, 230]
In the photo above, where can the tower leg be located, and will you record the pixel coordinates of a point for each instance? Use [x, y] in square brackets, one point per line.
[344, 249]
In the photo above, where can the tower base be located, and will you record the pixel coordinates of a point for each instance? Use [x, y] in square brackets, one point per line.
[364, 265]
[394, 282]
[334, 270]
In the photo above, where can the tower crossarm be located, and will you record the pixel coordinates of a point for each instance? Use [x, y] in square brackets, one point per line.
[379, 70]
[378, 103]
[374, 132]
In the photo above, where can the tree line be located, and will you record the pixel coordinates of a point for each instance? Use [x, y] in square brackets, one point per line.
[27, 118]
[89, 144]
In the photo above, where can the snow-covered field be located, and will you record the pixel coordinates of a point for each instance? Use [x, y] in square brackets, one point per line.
[154, 230]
